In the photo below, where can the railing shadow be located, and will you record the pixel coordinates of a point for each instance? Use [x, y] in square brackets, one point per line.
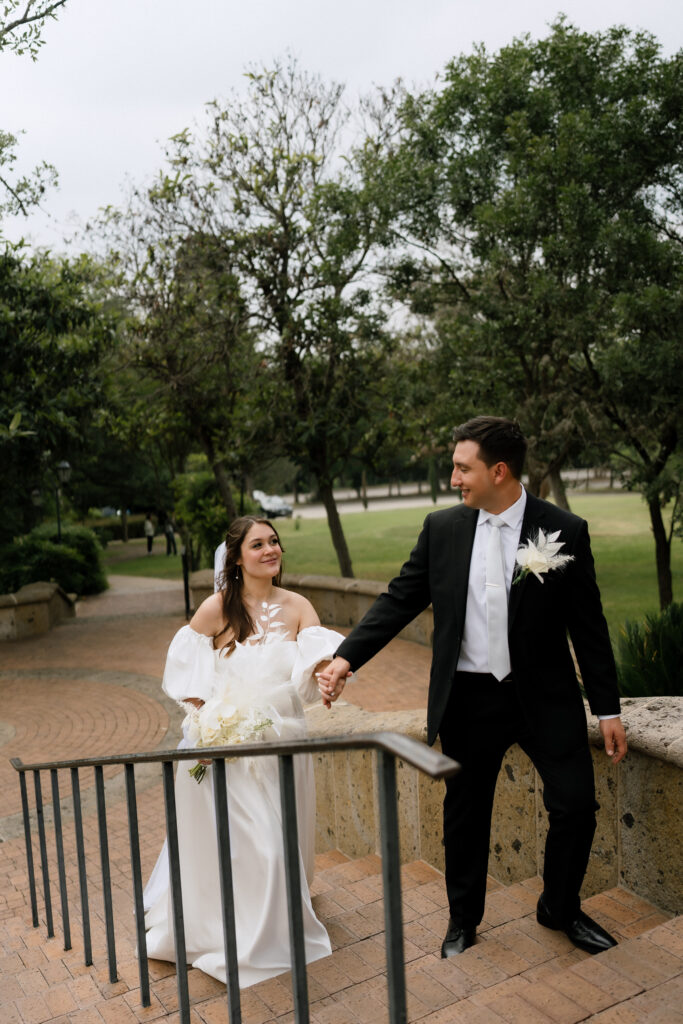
[388, 746]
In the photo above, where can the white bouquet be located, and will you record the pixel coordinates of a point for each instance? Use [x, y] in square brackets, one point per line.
[540, 555]
[220, 723]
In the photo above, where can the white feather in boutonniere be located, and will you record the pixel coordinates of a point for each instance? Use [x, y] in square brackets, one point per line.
[540, 555]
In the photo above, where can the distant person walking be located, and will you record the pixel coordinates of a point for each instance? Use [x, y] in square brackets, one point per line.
[149, 532]
[169, 533]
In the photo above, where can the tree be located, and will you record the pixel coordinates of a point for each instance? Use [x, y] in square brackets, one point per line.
[537, 191]
[188, 335]
[53, 330]
[303, 226]
[638, 383]
[21, 33]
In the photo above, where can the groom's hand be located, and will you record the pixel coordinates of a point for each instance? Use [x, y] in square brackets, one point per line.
[332, 680]
[614, 735]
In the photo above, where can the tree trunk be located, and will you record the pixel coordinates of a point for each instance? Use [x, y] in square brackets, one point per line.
[559, 490]
[536, 474]
[218, 468]
[433, 479]
[336, 530]
[364, 488]
[662, 554]
[223, 482]
[124, 523]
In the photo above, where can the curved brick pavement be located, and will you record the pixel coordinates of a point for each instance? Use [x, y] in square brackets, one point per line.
[61, 714]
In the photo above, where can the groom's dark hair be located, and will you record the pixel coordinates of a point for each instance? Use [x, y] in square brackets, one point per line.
[499, 440]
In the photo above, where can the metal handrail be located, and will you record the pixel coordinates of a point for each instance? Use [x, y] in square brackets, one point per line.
[414, 753]
[389, 746]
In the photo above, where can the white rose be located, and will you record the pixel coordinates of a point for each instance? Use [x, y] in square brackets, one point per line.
[211, 722]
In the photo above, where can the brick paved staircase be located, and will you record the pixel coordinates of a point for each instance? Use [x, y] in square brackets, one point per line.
[517, 972]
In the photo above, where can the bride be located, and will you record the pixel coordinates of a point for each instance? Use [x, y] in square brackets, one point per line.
[263, 645]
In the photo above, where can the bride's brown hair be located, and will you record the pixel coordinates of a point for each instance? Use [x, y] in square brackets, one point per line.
[231, 582]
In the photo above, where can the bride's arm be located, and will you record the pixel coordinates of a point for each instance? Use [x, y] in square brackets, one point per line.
[208, 620]
[316, 649]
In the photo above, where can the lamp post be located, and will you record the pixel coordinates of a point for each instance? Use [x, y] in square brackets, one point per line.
[64, 475]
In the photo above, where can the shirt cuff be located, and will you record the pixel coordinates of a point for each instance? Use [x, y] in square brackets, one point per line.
[605, 718]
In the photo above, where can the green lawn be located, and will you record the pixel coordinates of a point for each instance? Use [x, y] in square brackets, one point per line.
[381, 540]
[131, 559]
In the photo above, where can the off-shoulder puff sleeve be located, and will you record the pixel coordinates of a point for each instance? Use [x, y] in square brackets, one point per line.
[190, 666]
[314, 644]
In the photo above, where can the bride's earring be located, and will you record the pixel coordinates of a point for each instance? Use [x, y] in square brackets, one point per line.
[237, 572]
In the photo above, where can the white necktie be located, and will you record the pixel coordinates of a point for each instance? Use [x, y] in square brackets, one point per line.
[496, 602]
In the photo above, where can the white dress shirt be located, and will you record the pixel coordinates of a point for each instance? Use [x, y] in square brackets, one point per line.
[474, 648]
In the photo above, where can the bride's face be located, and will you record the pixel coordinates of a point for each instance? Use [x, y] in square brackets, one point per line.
[260, 554]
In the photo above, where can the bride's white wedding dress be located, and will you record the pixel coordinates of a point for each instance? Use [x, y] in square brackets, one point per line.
[275, 674]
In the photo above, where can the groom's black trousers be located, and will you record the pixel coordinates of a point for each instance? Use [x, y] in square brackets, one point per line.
[483, 718]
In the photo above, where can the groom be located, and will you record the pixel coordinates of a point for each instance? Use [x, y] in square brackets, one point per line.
[502, 670]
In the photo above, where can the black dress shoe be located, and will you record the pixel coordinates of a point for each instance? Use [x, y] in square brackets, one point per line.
[583, 931]
[457, 940]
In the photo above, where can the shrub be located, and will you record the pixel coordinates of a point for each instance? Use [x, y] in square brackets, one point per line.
[651, 655]
[75, 564]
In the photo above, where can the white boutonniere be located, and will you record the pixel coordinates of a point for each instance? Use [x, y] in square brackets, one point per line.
[540, 555]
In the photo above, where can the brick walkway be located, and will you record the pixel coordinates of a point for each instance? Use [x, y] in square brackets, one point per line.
[92, 685]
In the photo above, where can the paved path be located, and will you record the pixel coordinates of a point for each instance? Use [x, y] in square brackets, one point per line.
[93, 685]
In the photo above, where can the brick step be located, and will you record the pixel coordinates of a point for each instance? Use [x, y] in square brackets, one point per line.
[506, 975]
[516, 972]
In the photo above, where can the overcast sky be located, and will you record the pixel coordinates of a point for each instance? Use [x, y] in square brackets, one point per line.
[118, 77]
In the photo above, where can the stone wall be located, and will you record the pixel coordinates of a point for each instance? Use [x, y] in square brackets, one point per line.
[34, 609]
[639, 839]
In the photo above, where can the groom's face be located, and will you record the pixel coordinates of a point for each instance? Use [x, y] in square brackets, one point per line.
[472, 476]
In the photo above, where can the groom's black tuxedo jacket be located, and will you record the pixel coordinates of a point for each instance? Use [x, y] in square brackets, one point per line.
[539, 617]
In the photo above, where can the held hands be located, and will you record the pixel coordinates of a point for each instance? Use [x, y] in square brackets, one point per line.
[332, 679]
[614, 735]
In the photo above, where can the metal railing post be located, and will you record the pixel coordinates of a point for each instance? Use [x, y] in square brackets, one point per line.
[176, 893]
[29, 849]
[391, 882]
[293, 876]
[134, 836]
[220, 793]
[59, 846]
[82, 874]
[43, 854]
[106, 873]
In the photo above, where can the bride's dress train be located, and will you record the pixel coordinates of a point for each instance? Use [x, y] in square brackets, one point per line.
[278, 676]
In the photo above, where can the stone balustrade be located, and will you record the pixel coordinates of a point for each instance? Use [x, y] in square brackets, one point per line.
[639, 839]
[34, 609]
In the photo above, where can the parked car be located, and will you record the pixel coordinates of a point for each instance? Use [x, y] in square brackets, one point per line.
[272, 505]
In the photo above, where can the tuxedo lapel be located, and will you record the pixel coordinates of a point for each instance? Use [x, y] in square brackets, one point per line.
[534, 519]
